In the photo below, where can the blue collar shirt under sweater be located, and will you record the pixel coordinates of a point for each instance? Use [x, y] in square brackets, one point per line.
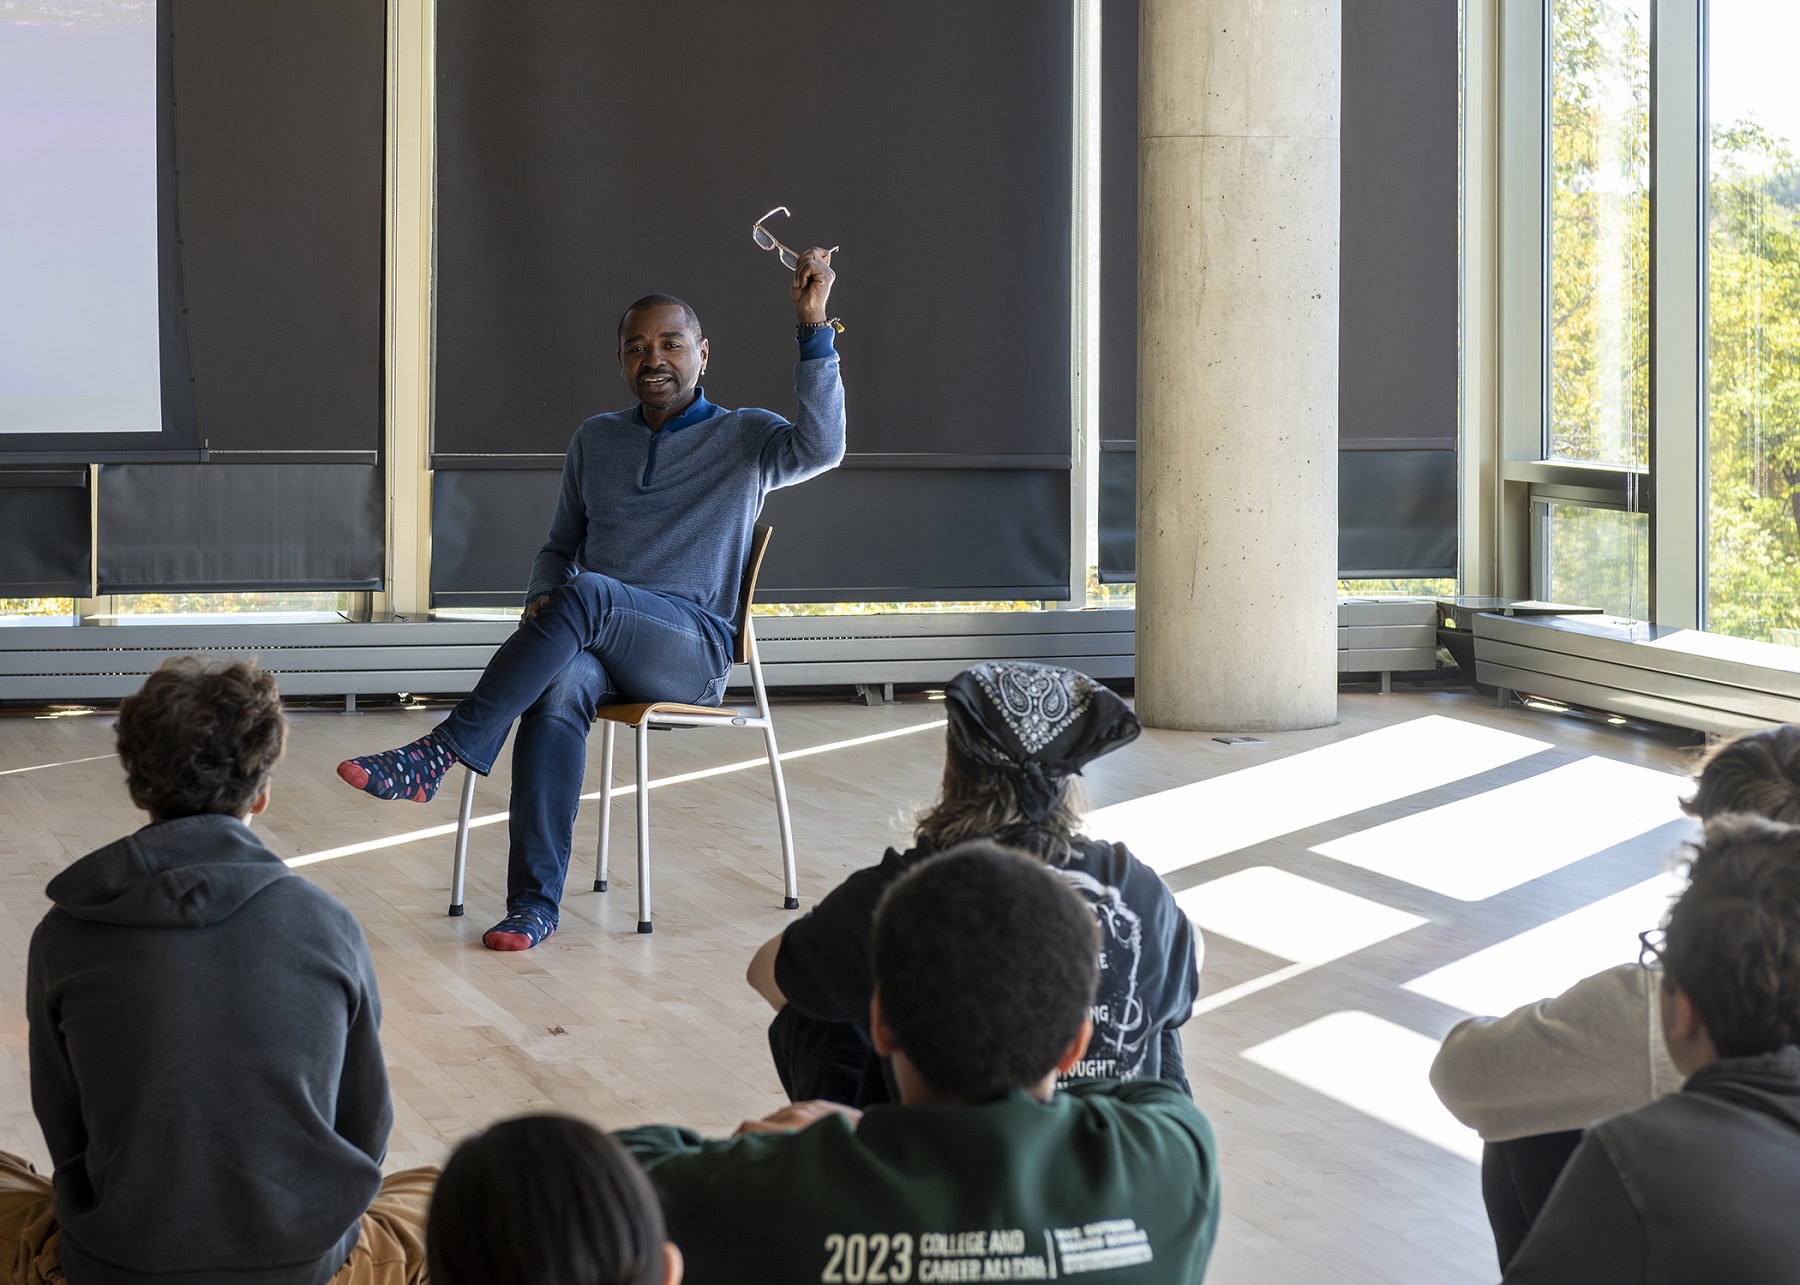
[672, 512]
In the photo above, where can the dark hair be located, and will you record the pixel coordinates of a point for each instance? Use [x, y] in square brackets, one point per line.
[986, 963]
[1733, 938]
[980, 801]
[544, 1200]
[661, 301]
[197, 739]
[1758, 773]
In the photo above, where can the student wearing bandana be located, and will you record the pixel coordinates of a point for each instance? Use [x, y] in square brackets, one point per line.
[1018, 735]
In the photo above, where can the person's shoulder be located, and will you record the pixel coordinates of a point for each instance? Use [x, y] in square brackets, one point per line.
[859, 891]
[299, 898]
[1113, 864]
[1156, 1112]
[679, 1159]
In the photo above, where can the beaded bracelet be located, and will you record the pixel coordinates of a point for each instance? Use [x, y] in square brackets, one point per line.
[833, 322]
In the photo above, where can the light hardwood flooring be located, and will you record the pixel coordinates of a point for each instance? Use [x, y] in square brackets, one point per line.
[623, 1028]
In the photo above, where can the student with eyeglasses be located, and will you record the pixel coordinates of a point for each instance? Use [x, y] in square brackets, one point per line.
[1701, 1185]
[1532, 1081]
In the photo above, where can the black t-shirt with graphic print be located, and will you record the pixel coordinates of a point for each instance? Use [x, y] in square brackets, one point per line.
[1148, 973]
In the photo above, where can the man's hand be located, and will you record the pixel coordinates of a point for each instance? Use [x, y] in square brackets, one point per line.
[797, 1115]
[534, 607]
[812, 285]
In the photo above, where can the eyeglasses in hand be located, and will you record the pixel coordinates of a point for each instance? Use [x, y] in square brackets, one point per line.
[1650, 949]
[766, 239]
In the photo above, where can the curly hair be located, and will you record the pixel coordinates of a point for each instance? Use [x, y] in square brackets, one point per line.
[196, 739]
[1733, 939]
[1757, 773]
[986, 962]
[981, 802]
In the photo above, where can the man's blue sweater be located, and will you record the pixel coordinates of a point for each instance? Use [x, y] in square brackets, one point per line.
[672, 512]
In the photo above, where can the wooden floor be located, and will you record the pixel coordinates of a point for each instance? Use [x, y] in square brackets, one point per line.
[1337, 1182]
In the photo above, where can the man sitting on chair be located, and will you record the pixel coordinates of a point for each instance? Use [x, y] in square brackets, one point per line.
[632, 594]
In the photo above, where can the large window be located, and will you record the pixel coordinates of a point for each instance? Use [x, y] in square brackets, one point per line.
[1753, 321]
[1600, 231]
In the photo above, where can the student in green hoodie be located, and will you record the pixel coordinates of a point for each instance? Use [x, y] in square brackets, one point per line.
[205, 1036]
[985, 968]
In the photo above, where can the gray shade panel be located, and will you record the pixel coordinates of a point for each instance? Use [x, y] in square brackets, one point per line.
[239, 527]
[1396, 514]
[1118, 516]
[870, 535]
[280, 111]
[1118, 231]
[45, 528]
[1397, 360]
[932, 142]
[486, 527]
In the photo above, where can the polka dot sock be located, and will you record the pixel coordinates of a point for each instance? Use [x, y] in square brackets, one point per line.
[411, 772]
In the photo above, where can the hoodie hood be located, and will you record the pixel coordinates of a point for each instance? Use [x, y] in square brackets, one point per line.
[185, 873]
[1767, 1082]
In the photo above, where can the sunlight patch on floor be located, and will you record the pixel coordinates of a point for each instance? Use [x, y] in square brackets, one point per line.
[1548, 959]
[1292, 918]
[1182, 827]
[1477, 847]
[1373, 1066]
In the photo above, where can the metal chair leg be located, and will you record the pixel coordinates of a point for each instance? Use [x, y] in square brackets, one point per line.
[462, 841]
[606, 773]
[790, 882]
[643, 826]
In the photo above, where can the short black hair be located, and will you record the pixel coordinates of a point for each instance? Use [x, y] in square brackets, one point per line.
[199, 738]
[661, 301]
[987, 964]
[544, 1200]
[1733, 938]
[1758, 773]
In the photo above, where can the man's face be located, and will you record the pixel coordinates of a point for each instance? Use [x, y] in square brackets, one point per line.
[660, 356]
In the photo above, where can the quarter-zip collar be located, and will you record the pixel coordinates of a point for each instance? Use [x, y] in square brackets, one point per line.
[700, 410]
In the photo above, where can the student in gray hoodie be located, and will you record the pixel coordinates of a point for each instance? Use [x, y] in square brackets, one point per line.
[205, 1052]
[1532, 1081]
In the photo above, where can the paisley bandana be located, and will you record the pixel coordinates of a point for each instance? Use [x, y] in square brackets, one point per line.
[1039, 723]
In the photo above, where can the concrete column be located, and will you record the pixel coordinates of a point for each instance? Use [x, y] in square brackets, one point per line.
[1237, 366]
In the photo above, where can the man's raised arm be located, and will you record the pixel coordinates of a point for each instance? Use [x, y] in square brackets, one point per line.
[815, 442]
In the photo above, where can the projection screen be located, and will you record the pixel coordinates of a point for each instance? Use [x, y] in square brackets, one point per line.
[79, 344]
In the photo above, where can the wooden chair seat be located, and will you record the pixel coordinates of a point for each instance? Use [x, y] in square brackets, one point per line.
[633, 715]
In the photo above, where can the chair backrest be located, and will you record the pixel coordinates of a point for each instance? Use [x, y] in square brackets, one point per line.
[759, 545]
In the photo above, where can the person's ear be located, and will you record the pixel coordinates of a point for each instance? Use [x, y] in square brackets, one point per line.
[1689, 1043]
[261, 803]
[672, 1264]
[881, 1036]
[1077, 1047]
[705, 352]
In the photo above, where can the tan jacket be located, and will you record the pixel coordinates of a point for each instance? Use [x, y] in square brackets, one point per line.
[1563, 1063]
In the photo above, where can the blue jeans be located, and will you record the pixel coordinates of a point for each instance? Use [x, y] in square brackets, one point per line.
[597, 641]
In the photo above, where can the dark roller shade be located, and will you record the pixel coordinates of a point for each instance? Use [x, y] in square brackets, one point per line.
[856, 535]
[1397, 349]
[239, 527]
[593, 152]
[44, 533]
[1118, 516]
[486, 527]
[1397, 362]
[1396, 514]
[1118, 227]
[280, 109]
